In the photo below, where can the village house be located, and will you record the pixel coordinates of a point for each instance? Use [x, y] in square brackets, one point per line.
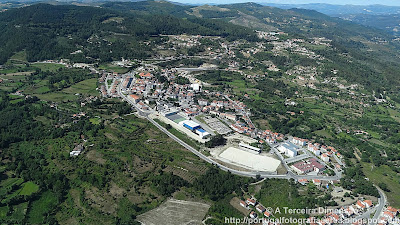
[252, 202]
[243, 204]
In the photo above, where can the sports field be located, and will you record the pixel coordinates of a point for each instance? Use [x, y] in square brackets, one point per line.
[249, 160]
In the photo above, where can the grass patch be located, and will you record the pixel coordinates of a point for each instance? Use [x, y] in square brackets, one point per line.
[56, 97]
[379, 142]
[281, 193]
[323, 133]
[44, 120]
[389, 177]
[42, 90]
[84, 87]
[112, 68]
[19, 57]
[29, 188]
[15, 101]
[95, 121]
[51, 67]
[394, 114]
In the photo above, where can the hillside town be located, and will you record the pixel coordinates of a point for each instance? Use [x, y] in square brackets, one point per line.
[178, 97]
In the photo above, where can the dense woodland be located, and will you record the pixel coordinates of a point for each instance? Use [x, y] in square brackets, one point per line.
[51, 32]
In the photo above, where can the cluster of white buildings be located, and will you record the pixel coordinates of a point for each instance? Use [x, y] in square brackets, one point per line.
[251, 203]
[185, 40]
[389, 216]
[289, 149]
[77, 150]
[343, 213]
[270, 137]
[321, 151]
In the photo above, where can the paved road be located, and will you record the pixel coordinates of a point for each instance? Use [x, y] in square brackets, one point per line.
[289, 175]
[378, 210]
[297, 158]
[382, 202]
[195, 69]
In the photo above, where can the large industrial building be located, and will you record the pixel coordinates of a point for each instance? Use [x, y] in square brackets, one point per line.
[195, 128]
[189, 124]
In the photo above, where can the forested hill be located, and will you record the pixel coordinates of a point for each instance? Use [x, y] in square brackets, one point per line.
[366, 55]
[48, 32]
[389, 23]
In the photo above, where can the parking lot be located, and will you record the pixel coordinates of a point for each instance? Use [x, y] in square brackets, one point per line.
[217, 125]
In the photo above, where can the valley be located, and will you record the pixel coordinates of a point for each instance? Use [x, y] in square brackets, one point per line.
[237, 109]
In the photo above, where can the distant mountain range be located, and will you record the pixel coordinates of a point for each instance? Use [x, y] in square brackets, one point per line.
[338, 10]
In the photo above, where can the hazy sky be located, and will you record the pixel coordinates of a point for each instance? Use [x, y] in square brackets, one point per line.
[334, 2]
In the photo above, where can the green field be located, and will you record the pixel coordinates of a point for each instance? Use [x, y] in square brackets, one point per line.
[323, 133]
[42, 90]
[84, 87]
[95, 121]
[389, 177]
[52, 67]
[56, 97]
[29, 188]
[394, 114]
[18, 57]
[112, 68]
[14, 188]
[283, 193]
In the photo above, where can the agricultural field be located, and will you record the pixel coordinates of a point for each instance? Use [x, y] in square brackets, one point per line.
[95, 121]
[56, 97]
[113, 68]
[19, 57]
[384, 174]
[174, 212]
[86, 87]
[12, 189]
[52, 67]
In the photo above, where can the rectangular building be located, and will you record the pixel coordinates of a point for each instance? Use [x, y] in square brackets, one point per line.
[189, 124]
[249, 148]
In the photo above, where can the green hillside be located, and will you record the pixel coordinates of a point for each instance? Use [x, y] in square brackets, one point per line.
[89, 34]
